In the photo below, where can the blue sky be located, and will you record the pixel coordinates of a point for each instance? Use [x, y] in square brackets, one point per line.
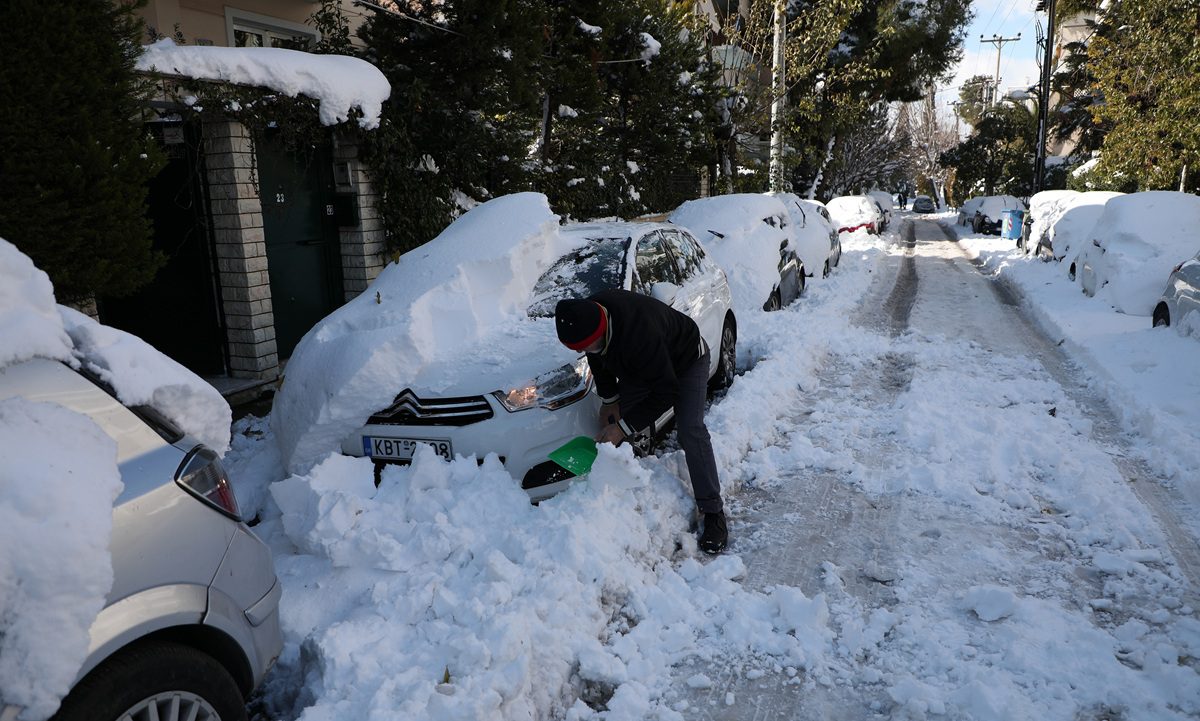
[1018, 63]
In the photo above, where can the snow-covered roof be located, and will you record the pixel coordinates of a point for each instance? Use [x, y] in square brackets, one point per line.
[340, 83]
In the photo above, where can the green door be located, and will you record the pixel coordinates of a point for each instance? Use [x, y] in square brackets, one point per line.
[303, 252]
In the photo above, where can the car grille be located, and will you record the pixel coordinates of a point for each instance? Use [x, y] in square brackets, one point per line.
[409, 410]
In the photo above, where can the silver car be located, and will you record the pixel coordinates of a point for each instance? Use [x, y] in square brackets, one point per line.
[191, 624]
[1182, 295]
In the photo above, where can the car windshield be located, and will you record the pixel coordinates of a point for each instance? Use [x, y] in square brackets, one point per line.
[583, 272]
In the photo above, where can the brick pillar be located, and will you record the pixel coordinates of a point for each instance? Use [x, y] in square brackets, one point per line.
[363, 255]
[241, 251]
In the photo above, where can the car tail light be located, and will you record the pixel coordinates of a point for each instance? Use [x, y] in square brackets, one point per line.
[202, 475]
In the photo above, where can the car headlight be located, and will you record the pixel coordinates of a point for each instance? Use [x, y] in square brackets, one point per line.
[560, 387]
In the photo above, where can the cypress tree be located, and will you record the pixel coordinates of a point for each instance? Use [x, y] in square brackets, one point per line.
[76, 160]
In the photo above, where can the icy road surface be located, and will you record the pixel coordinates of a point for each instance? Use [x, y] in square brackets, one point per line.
[996, 552]
[934, 515]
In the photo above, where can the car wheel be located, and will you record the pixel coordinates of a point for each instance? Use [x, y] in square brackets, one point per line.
[726, 364]
[1162, 316]
[1071, 272]
[155, 680]
[773, 303]
[837, 258]
[826, 269]
[803, 282]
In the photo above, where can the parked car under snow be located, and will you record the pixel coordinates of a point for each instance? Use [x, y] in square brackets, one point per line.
[1136, 242]
[1179, 304]
[750, 236]
[855, 212]
[453, 347]
[817, 242]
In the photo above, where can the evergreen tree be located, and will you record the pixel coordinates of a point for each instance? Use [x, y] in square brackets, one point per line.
[998, 155]
[76, 161]
[1147, 68]
[463, 106]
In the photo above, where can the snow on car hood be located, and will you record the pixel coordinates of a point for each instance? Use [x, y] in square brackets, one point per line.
[446, 318]
[749, 250]
[1144, 236]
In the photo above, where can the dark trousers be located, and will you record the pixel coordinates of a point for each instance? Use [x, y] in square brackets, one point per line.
[692, 433]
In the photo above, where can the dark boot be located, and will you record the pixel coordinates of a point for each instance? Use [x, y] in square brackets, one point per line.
[716, 533]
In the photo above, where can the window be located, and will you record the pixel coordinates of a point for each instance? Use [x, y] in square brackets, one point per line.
[251, 30]
[654, 264]
[686, 251]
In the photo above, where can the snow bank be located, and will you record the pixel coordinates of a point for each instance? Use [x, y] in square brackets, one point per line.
[142, 376]
[55, 571]
[733, 230]
[1143, 236]
[421, 603]
[339, 83]
[418, 323]
[29, 322]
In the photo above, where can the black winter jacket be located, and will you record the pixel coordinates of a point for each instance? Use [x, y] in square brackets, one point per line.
[649, 345]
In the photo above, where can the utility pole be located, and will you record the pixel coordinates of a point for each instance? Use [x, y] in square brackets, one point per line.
[955, 104]
[778, 91]
[999, 43]
[1039, 163]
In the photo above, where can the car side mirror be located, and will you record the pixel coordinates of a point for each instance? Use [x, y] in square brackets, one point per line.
[664, 292]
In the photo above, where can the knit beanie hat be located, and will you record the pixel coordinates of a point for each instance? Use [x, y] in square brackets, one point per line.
[579, 322]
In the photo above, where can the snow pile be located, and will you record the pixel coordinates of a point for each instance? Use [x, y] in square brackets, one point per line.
[338, 82]
[57, 484]
[142, 376]
[1045, 208]
[1074, 226]
[458, 300]
[444, 594]
[650, 46]
[734, 230]
[1143, 236]
[810, 233]
[29, 322]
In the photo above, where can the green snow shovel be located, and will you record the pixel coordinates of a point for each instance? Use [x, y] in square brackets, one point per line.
[576, 455]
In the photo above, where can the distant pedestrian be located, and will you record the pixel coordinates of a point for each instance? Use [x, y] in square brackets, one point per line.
[646, 357]
[903, 200]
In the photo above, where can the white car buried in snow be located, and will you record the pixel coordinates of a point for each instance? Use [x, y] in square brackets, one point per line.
[856, 212]
[465, 358]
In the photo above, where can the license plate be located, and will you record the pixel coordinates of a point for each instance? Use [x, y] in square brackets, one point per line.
[402, 449]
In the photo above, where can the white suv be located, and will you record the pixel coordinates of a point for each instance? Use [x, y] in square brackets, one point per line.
[522, 421]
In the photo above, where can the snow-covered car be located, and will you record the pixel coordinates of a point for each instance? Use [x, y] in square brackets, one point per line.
[751, 237]
[1073, 228]
[817, 242]
[886, 205]
[454, 347]
[923, 204]
[1180, 302]
[1045, 208]
[1136, 242]
[966, 211]
[855, 212]
[989, 214]
[142, 591]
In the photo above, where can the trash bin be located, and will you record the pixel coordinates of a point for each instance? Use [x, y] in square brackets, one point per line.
[1012, 220]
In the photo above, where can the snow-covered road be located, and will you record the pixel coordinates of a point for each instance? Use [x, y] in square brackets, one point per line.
[988, 556]
[935, 514]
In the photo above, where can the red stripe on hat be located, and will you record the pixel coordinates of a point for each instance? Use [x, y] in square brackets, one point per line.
[594, 336]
